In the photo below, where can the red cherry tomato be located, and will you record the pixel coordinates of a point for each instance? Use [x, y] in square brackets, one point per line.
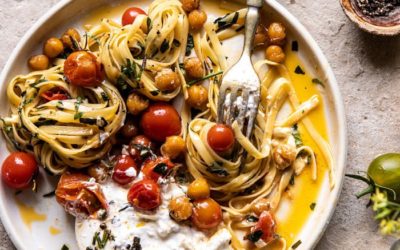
[206, 214]
[82, 69]
[266, 224]
[155, 168]
[145, 195]
[19, 169]
[130, 15]
[125, 170]
[220, 138]
[54, 94]
[159, 121]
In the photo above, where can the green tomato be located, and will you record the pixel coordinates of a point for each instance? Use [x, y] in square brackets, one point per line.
[385, 172]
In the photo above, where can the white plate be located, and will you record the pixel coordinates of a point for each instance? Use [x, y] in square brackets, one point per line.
[53, 23]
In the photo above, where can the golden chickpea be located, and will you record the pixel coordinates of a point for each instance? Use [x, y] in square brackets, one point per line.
[198, 96]
[198, 189]
[261, 206]
[53, 47]
[180, 208]
[261, 36]
[136, 103]
[275, 53]
[194, 67]
[173, 146]
[167, 80]
[197, 18]
[189, 5]
[99, 172]
[38, 62]
[66, 37]
[276, 33]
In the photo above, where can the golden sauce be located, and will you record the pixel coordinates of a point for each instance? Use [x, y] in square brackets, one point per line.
[140, 224]
[305, 190]
[28, 214]
[54, 230]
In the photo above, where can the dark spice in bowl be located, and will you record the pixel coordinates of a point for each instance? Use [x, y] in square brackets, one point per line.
[375, 8]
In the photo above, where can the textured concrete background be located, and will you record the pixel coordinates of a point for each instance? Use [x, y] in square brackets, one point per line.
[368, 71]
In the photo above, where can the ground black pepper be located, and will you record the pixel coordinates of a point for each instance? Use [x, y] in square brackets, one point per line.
[375, 8]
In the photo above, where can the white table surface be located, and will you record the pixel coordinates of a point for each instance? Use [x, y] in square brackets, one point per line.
[368, 71]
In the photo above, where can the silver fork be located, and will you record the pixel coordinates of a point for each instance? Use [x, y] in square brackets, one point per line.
[239, 93]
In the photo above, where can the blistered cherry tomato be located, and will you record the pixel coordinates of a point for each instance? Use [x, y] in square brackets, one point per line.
[140, 148]
[221, 138]
[207, 213]
[82, 69]
[54, 94]
[125, 170]
[19, 169]
[145, 195]
[265, 224]
[130, 15]
[159, 121]
[155, 168]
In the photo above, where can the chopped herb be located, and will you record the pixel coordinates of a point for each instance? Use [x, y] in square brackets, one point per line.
[124, 208]
[296, 135]
[255, 236]
[50, 194]
[64, 247]
[161, 169]
[317, 81]
[295, 46]
[312, 206]
[227, 21]
[148, 22]
[240, 28]
[154, 92]
[190, 45]
[176, 43]
[218, 170]
[164, 46]
[136, 244]
[296, 245]
[104, 96]
[18, 192]
[299, 70]
[101, 242]
[45, 122]
[204, 78]
[78, 116]
[251, 218]
[291, 182]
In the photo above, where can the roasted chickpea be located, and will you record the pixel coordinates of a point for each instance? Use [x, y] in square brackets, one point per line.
[198, 96]
[276, 33]
[189, 5]
[167, 80]
[261, 206]
[180, 208]
[136, 103]
[68, 37]
[130, 129]
[38, 62]
[197, 18]
[53, 47]
[275, 53]
[261, 36]
[173, 146]
[99, 172]
[206, 214]
[198, 189]
[194, 67]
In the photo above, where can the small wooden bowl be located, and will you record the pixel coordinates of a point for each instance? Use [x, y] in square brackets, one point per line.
[382, 25]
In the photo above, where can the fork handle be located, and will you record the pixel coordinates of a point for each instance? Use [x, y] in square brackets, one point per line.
[252, 17]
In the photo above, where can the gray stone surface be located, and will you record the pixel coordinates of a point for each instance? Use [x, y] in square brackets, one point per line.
[368, 71]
